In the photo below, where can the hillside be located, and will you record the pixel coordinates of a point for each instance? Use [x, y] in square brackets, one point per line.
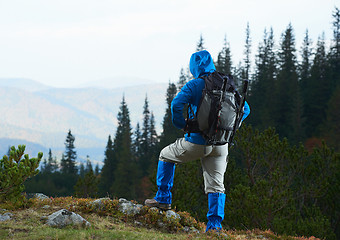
[110, 221]
[23, 83]
[45, 116]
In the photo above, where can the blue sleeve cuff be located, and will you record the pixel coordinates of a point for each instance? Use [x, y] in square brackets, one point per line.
[246, 111]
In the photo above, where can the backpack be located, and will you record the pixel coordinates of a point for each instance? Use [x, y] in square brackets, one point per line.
[220, 110]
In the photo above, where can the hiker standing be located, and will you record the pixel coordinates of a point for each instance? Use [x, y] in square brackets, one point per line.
[193, 146]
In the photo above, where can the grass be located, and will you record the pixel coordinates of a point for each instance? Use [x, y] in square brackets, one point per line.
[29, 223]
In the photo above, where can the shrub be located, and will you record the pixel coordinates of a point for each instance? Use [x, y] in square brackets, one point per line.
[14, 170]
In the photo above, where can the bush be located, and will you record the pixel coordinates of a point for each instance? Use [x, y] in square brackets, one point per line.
[14, 170]
[288, 189]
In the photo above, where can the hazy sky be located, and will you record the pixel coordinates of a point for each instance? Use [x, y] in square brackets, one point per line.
[66, 43]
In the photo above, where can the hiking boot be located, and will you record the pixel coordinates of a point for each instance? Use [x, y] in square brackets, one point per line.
[153, 203]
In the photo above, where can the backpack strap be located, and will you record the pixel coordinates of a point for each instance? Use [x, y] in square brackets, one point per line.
[191, 125]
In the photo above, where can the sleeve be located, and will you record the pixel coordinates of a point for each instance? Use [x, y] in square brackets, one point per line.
[177, 106]
[246, 110]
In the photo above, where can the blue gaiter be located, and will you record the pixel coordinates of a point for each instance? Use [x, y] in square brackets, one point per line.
[165, 181]
[216, 202]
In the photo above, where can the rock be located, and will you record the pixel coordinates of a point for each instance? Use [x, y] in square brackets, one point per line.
[5, 216]
[137, 223]
[190, 230]
[171, 215]
[64, 217]
[123, 200]
[46, 207]
[129, 207]
[160, 224]
[39, 196]
[154, 209]
[98, 203]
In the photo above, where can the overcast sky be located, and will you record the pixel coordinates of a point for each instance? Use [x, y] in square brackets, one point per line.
[65, 43]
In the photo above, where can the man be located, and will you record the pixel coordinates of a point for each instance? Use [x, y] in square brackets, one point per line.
[193, 146]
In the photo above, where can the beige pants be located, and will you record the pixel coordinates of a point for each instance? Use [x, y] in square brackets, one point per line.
[213, 160]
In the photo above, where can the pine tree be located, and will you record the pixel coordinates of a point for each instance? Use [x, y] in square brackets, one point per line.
[96, 170]
[305, 65]
[319, 91]
[287, 88]
[247, 53]
[154, 141]
[334, 55]
[145, 141]
[82, 170]
[68, 164]
[63, 163]
[170, 132]
[69, 171]
[123, 133]
[262, 91]
[43, 166]
[52, 165]
[200, 44]
[224, 63]
[88, 164]
[336, 31]
[331, 128]
[146, 125]
[305, 77]
[126, 173]
[87, 186]
[182, 79]
[136, 143]
[153, 134]
[49, 164]
[107, 174]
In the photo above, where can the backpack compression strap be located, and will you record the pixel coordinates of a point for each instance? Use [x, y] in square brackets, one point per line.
[239, 113]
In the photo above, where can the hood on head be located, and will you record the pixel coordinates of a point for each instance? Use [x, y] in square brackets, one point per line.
[201, 63]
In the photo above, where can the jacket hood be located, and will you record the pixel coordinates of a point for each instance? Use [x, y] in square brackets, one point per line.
[201, 63]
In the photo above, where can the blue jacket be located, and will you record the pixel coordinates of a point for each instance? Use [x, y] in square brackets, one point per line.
[201, 64]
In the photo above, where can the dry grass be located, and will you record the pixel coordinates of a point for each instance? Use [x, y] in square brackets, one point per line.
[29, 223]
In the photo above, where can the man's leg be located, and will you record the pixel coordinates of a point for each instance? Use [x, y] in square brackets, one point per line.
[216, 202]
[165, 180]
[178, 152]
[214, 167]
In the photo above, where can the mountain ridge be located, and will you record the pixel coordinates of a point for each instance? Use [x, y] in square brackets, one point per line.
[23, 83]
[45, 116]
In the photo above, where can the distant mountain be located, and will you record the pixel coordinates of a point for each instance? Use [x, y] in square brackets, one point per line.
[117, 82]
[32, 149]
[45, 116]
[23, 83]
[96, 155]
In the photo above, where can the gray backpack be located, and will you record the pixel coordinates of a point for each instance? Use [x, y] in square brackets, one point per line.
[220, 111]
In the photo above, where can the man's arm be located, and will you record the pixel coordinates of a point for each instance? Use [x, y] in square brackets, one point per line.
[177, 106]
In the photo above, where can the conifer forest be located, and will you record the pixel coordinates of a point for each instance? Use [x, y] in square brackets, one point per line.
[283, 169]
